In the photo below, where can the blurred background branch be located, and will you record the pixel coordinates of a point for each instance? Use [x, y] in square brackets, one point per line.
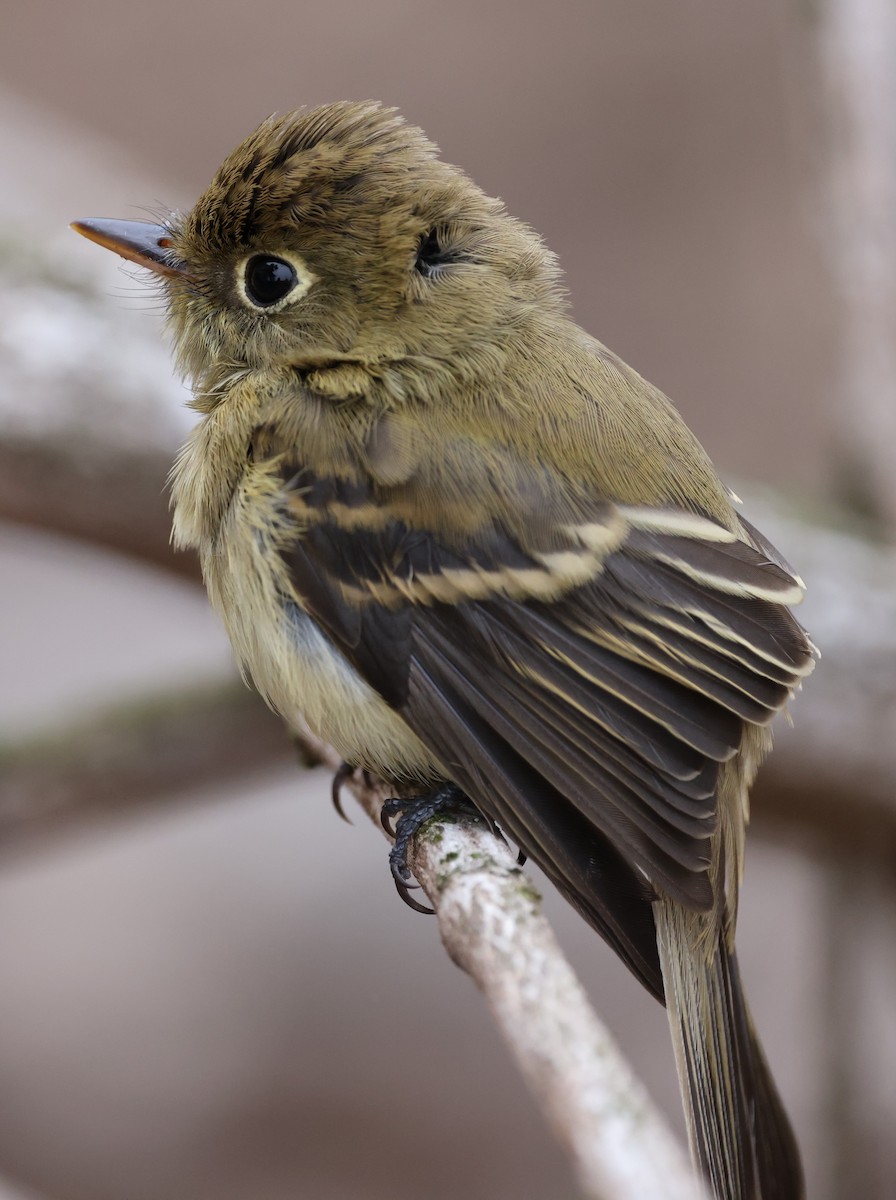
[857, 40]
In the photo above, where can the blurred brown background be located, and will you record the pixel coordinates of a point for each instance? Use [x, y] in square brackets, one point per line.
[220, 995]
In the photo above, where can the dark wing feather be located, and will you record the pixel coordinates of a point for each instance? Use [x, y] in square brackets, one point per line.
[585, 698]
[578, 859]
[376, 640]
[671, 859]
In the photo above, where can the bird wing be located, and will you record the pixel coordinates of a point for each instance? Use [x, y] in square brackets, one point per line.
[583, 684]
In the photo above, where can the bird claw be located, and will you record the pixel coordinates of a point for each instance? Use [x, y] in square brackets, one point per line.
[413, 812]
[403, 816]
[391, 809]
[403, 890]
[401, 876]
[344, 772]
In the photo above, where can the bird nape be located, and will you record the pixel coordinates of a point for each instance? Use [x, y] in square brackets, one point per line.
[471, 547]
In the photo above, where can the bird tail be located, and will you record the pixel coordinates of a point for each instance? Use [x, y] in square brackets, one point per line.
[739, 1133]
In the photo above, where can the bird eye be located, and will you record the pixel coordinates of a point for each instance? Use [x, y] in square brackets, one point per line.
[269, 279]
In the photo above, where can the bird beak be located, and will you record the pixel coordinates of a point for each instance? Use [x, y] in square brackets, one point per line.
[142, 242]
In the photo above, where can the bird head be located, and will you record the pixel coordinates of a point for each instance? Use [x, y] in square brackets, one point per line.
[335, 237]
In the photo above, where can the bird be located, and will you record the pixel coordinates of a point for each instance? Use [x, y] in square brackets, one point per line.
[483, 558]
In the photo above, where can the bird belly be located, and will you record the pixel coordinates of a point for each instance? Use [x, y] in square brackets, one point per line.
[300, 672]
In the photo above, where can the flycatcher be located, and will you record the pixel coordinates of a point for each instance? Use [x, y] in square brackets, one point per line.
[481, 556]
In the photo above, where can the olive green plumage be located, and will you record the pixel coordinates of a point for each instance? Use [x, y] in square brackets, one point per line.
[464, 541]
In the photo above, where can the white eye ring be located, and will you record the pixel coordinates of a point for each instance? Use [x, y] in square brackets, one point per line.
[268, 282]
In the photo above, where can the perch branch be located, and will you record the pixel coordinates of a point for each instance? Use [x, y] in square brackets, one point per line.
[145, 752]
[857, 40]
[492, 926]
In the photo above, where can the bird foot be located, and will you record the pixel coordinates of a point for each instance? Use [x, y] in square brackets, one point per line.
[413, 812]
